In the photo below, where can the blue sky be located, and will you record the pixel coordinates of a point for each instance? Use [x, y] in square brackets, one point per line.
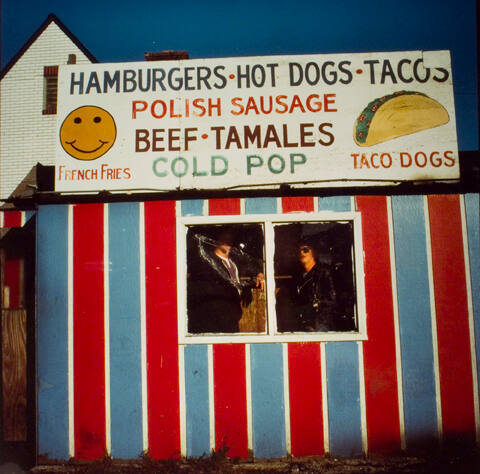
[123, 30]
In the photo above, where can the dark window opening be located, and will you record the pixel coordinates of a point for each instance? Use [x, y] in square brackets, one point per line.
[225, 279]
[314, 277]
[50, 88]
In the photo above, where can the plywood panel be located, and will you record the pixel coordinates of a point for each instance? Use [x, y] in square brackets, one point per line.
[14, 373]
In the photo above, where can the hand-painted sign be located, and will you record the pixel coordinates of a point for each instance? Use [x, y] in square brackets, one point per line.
[317, 120]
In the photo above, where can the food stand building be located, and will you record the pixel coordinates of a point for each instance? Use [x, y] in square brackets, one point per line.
[119, 369]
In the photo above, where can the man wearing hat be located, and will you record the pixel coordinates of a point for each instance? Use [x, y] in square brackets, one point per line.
[215, 290]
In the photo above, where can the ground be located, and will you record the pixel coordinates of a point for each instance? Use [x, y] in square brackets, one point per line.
[451, 462]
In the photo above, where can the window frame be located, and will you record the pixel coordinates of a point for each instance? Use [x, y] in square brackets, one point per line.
[50, 83]
[271, 335]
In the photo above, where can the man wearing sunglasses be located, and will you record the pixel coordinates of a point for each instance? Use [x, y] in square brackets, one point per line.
[315, 292]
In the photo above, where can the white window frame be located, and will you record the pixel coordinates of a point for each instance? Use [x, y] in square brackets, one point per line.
[271, 335]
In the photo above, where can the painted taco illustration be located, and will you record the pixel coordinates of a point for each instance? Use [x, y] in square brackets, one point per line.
[396, 115]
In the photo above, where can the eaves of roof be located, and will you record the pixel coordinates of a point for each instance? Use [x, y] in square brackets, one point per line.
[51, 18]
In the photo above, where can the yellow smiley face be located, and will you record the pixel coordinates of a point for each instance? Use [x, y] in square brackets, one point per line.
[88, 132]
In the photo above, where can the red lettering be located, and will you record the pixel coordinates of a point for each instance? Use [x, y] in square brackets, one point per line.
[138, 106]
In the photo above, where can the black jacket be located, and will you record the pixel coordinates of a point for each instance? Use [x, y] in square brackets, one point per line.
[213, 301]
[316, 300]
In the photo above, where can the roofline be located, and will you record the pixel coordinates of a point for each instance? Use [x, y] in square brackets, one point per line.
[50, 18]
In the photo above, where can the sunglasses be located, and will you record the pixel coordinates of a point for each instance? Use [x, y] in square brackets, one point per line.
[305, 249]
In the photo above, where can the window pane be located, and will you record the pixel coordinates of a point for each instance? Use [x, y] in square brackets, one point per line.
[225, 268]
[314, 277]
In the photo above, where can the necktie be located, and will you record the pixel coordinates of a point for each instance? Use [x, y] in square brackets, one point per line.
[231, 270]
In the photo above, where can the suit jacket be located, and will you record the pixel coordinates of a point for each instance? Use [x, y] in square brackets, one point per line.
[214, 301]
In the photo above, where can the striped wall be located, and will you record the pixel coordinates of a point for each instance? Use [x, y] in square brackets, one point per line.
[9, 219]
[113, 378]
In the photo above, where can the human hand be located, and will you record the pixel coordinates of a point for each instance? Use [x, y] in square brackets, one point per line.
[260, 281]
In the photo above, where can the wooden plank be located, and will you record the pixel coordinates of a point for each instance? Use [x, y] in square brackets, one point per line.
[379, 351]
[161, 323]
[197, 401]
[125, 337]
[14, 374]
[88, 331]
[415, 322]
[306, 404]
[455, 364]
[13, 279]
[268, 405]
[52, 332]
[230, 399]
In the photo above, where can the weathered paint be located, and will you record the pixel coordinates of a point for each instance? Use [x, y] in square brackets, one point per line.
[88, 331]
[52, 332]
[266, 397]
[306, 406]
[268, 401]
[415, 320]
[451, 310]
[379, 351]
[197, 401]
[161, 327]
[472, 213]
[125, 331]
[230, 399]
[343, 383]
[12, 218]
[13, 279]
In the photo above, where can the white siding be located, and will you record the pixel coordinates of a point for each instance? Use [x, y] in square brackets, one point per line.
[28, 136]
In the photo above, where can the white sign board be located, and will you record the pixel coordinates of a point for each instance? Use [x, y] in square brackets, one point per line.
[323, 120]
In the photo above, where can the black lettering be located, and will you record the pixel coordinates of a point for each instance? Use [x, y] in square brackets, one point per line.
[158, 80]
[219, 75]
[348, 74]
[111, 81]
[387, 70]
[371, 63]
[76, 83]
[203, 74]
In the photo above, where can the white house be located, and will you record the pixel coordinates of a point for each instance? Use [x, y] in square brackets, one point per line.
[28, 96]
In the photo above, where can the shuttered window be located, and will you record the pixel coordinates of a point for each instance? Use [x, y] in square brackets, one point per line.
[50, 85]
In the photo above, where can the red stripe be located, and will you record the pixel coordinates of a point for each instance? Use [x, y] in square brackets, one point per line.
[306, 416]
[230, 399]
[454, 357]
[229, 375]
[296, 204]
[12, 280]
[12, 219]
[161, 322]
[222, 207]
[381, 393]
[88, 331]
[305, 386]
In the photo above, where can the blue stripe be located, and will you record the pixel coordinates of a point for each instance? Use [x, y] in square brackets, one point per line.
[192, 207]
[268, 412]
[343, 384]
[414, 319]
[268, 404]
[196, 378]
[335, 203]
[125, 339]
[29, 215]
[52, 331]
[473, 226]
[260, 205]
[196, 397]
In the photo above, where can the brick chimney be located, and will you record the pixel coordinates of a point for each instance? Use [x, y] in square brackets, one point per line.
[167, 55]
